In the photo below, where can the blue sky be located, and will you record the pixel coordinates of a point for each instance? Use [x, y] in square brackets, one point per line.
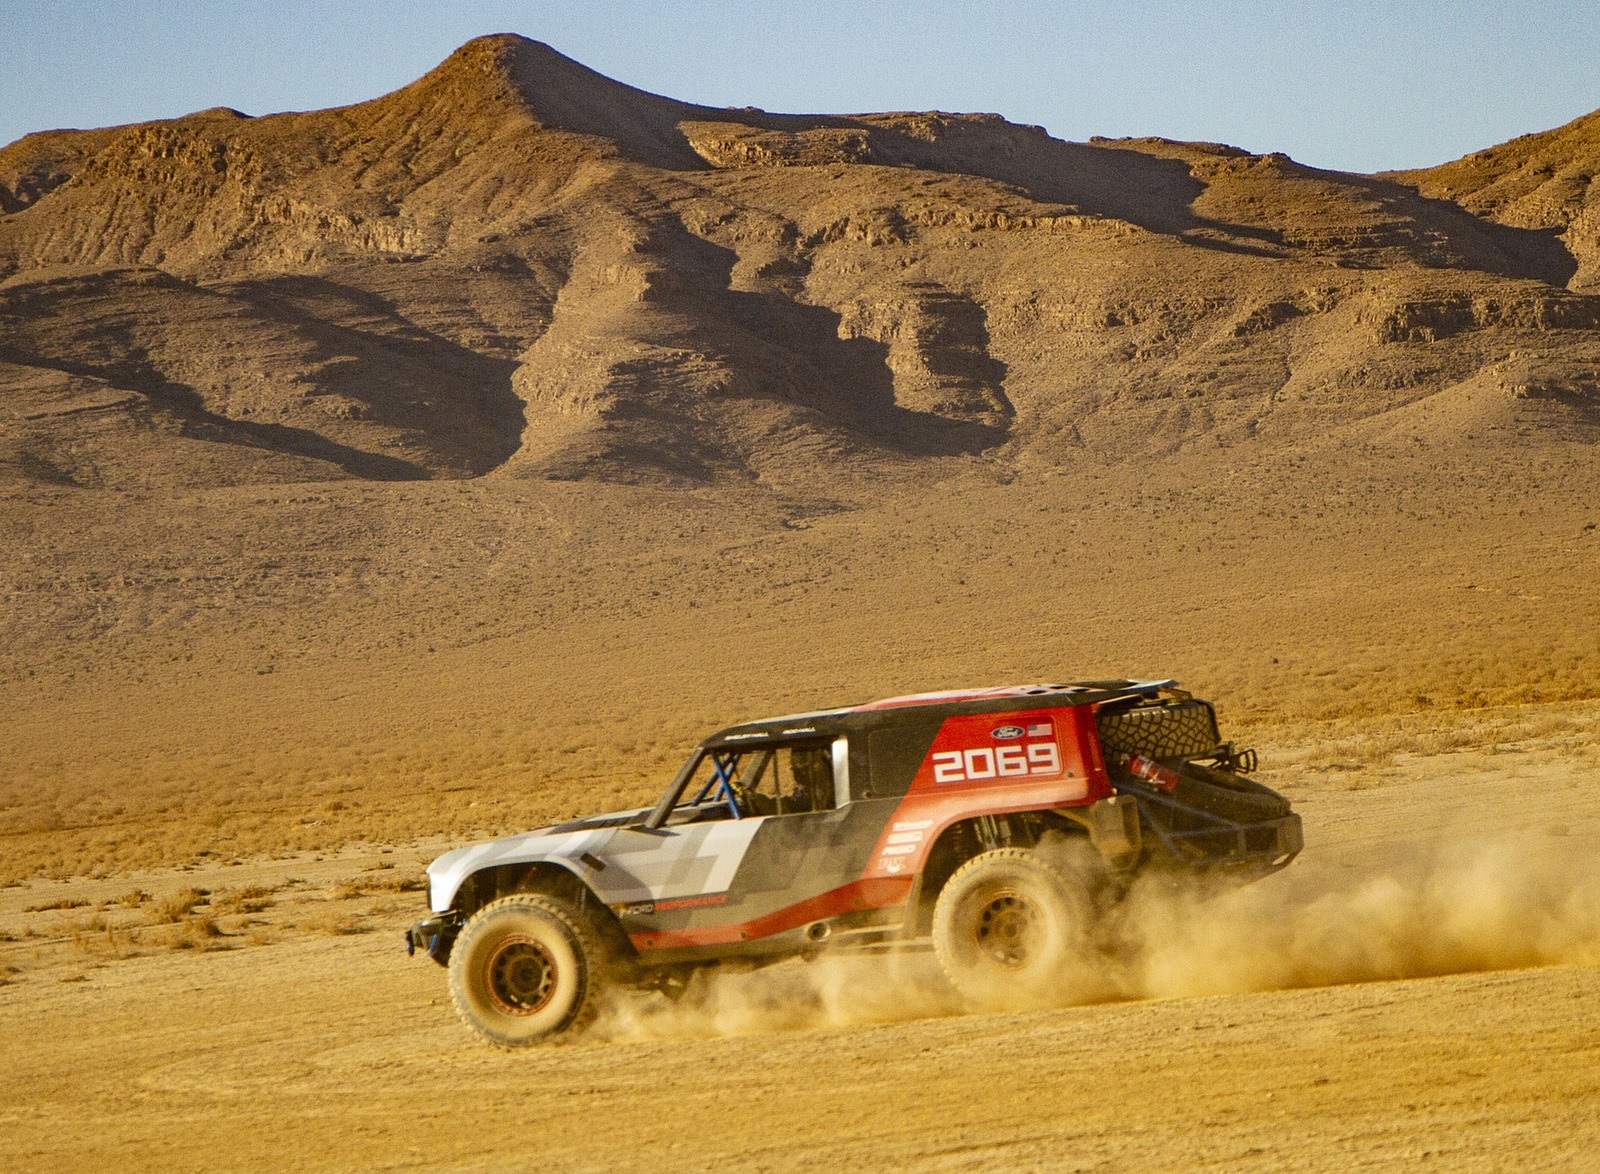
[1352, 85]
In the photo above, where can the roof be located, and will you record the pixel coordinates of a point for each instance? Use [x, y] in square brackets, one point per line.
[1000, 697]
[1000, 691]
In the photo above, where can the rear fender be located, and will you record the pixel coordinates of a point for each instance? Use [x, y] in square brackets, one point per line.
[966, 838]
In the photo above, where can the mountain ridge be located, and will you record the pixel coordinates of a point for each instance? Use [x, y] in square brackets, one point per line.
[1540, 181]
[515, 264]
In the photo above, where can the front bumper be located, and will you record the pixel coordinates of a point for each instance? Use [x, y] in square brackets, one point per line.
[435, 935]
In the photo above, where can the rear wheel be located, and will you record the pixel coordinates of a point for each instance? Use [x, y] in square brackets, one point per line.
[526, 968]
[1006, 927]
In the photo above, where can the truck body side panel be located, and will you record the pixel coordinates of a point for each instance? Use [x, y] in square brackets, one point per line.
[775, 881]
[992, 764]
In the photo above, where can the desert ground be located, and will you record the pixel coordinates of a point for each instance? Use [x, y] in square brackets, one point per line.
[212, 976]
[379, 479]
[1414, 991]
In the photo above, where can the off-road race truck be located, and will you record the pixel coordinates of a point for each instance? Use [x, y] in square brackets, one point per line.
[936, 820]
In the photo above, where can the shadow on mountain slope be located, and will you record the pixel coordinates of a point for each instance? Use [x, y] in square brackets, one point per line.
[686, 374]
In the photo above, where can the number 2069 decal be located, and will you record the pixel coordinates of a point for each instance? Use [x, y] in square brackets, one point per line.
[989, 762]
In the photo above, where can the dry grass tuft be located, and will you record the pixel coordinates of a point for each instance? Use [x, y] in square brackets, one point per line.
[103, 939]
[397, 882]
[85, 934]
[335, 924]
[58, 903]
[384, 882]
[247, 899]
[200, 932]
[176, 908]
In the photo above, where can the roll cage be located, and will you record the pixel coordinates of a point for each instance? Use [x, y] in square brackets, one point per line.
[725, 786]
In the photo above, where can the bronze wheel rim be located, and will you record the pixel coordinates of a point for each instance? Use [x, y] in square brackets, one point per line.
[520, 976]
[1006, 929]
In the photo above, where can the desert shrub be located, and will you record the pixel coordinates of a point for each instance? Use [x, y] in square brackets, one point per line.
[334, 923]
[246, 899]
[197, 933]
[395, 882]
[77, 927]
[57, 903]
[177, 907]
[388, 881]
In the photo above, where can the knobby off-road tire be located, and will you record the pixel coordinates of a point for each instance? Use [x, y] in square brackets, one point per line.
[526, 968]
[1006, 928]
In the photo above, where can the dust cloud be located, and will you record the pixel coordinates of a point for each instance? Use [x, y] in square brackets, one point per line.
[1452, 909]
[832, 990]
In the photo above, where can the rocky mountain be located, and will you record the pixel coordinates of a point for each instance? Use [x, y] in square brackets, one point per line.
[1544, 182]
[517, 267]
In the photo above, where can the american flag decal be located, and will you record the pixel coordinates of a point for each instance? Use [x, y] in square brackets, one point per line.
[1040, 730]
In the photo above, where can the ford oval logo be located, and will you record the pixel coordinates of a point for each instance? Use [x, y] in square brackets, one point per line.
[1006, 733]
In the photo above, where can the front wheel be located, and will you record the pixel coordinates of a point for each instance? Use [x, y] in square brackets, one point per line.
[1006, 927]
[525, 968]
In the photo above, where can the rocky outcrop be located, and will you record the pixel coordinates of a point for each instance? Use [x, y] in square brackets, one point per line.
[1544, 181]
[1431, 319]
[938, 350]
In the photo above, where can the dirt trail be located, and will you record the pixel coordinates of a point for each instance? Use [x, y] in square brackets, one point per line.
[320, 1052]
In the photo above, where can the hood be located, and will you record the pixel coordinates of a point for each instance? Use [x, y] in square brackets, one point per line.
[563, 843]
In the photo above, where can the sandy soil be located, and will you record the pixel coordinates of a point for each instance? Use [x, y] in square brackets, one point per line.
[316, 1045]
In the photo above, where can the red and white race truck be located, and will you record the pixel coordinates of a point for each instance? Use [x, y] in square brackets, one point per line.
[938, 820]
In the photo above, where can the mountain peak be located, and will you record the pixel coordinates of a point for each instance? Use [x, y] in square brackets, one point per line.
[564, 95]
